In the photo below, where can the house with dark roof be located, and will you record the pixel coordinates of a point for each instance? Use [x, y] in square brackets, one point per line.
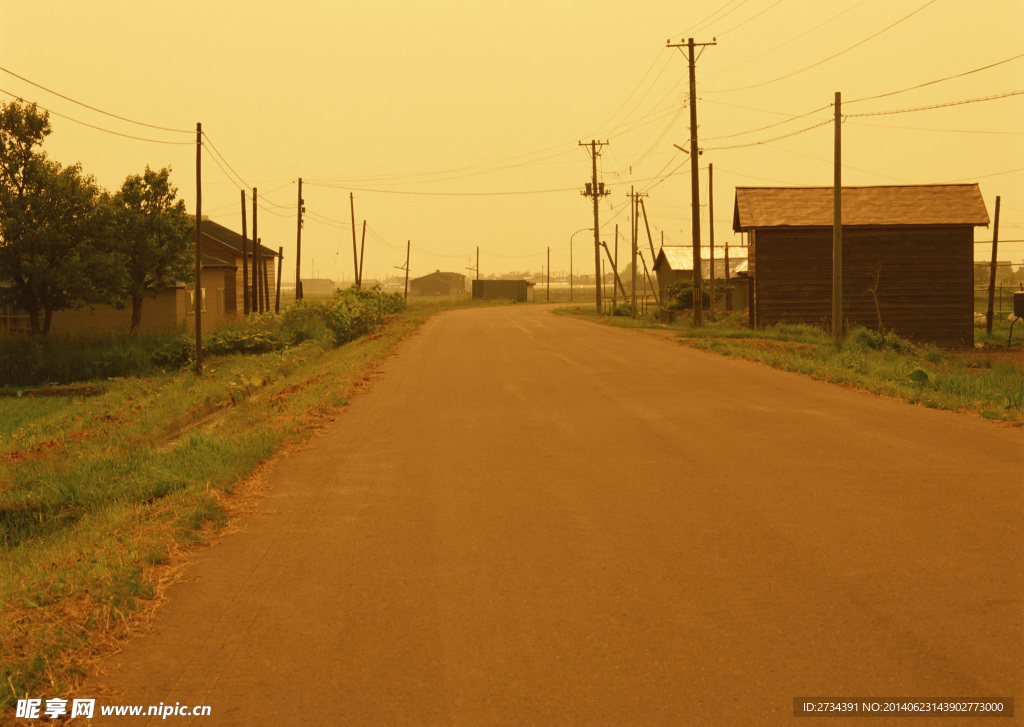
[908, 257]
[221, 269]
[675, 264]
[438, 283]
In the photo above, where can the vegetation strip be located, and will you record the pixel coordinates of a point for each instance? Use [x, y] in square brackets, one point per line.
[988, 382]
[93, 516]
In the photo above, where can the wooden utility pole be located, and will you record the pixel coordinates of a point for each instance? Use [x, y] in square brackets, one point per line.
[408, 246]
[245, 260]
[596, 191]
[298, 244]
[728, 286]
[647, 226]
[277, 296]
[615, 264]
[616, 280]
[635, 228]
[362, 249]
[355, 252]
[266, 286]
[549, 275]
[992, 275]
[477, 262]
[711, 231]
[698, 317]
[254, 296]
[837, 229]
[199, 257]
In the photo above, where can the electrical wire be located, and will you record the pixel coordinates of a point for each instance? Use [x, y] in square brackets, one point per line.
[753, 17]
[831, 57]
[93, 108]
[767, 141]
[443, 194]
[791, 40]
[935, 106]
[938, 80]
[93, 126]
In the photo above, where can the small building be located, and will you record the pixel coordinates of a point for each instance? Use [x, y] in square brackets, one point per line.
[221, 290]
[438, 283]
[318, 288]
[517, 290]
[908, 257]
[675, 264]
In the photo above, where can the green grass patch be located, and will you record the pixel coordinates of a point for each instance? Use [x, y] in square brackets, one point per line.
[95, 499]
[988, 381]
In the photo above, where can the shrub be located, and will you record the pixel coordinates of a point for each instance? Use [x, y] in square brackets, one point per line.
[867, 340]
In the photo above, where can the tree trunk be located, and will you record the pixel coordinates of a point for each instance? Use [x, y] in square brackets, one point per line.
[48, 318]
[33, 316]
[136, 314]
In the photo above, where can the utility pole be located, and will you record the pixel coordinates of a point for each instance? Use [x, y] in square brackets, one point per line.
[477, 262]
[698, 318]
[199, 242]
[634, 227]
[355, 252]
[362, 250]
[992, 275]
[245, 261]
[255, 232]
[549, 275]
[277, 296]
[298, 244]
[837, 229]
[728, 285]
[615, 264]
[647, 226]
[595, 190]
[408, 246]
[711, 231]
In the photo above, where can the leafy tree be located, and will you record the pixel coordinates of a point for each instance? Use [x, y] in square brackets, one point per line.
[51, 224]
[152, 236]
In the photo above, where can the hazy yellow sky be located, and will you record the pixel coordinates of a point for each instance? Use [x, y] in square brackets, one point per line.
[456, 123]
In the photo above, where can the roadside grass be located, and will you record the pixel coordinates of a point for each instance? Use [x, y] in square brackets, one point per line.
[99, 500]
[988, 381]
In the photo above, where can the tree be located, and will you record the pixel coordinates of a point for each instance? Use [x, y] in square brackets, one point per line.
[152, 237]
[51, 224]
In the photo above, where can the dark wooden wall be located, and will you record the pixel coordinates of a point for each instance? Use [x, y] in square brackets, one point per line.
[925, 288]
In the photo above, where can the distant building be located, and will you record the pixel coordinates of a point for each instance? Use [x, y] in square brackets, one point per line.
[909, 250]
[675, 263]
[438, 283]
[520, 291]
[220, 297]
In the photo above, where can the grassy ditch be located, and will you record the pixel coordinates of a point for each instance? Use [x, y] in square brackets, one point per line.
[988, 381]
[97, 502]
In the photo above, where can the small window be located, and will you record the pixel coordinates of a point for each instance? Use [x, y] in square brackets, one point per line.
[190, 301]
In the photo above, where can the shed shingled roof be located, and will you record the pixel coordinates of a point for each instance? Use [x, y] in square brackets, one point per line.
[680, 257]
[230, 238]
[919, 204]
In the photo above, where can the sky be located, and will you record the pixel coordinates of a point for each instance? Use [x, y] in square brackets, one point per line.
[457, 125]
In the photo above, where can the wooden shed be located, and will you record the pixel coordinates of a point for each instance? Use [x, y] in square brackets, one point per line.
[908, 257]
[438, 283]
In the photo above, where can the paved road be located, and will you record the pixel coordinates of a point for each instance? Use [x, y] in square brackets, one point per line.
[532, 519]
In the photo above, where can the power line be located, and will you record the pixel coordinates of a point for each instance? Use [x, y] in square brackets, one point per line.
[93, 108]
[767, 141]
[93, 126]
[831, 57]
[791, 40]
[778, 123]
[935, 106]
[938, 80]
[752, 17]
[442, 194]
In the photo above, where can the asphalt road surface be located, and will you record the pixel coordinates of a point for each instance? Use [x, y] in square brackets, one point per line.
[537, 520]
